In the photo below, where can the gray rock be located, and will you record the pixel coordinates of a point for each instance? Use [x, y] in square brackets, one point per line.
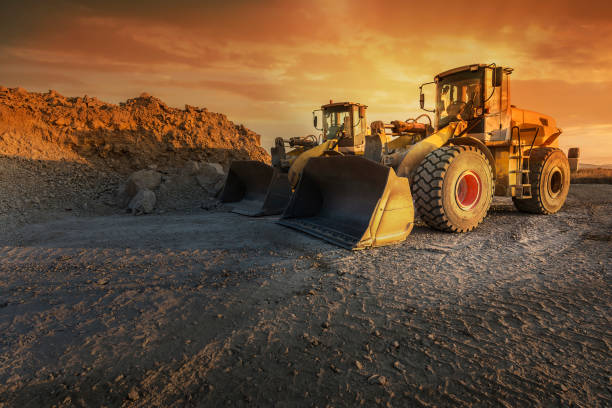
[148, 179]
[142, 179]
[216, 166]
[211, 177]
[143, 202]
[191, 168]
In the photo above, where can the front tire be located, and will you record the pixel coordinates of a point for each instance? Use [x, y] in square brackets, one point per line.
[549, 174]
[453, 188]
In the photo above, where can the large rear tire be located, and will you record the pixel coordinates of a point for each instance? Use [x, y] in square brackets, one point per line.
[549, 174]
[453, 188]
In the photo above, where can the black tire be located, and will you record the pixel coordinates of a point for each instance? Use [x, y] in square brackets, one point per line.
[549, 175]
[445, 184]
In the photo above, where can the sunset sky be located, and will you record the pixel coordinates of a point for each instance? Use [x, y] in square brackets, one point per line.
[268, 64]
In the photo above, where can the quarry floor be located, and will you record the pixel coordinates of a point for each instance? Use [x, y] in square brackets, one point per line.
[216, 309]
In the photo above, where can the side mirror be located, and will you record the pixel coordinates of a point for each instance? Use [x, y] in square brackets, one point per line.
[314, 121]
[498, 74]
[362, 112]
[422, 95]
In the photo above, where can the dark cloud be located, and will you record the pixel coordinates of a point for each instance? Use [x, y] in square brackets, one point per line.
[571, 33]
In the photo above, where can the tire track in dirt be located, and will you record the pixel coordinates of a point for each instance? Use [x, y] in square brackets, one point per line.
[497, 317]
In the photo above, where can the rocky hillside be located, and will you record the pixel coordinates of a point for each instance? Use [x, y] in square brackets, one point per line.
[61, 155]
[133, 135]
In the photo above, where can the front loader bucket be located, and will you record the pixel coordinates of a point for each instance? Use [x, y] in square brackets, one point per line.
[351, 202]
[253, 188]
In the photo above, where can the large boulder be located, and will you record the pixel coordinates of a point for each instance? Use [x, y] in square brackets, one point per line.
[149, 179]
[141, 179]
[211, 177]
[191, 168]
[143, 202]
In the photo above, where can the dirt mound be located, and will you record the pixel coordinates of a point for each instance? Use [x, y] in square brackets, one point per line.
[39, 190]
[140, 132]
[61, 155]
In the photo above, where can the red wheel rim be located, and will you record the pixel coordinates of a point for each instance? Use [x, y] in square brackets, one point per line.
[468, 190]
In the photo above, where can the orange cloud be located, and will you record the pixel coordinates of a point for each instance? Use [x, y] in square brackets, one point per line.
[269, 63]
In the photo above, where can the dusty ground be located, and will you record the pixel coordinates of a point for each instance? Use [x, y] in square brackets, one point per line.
[593, 175]
[209, 309]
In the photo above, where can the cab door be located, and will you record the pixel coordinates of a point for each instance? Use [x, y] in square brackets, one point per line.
[359, 130]
[497, 110]
[354, 140]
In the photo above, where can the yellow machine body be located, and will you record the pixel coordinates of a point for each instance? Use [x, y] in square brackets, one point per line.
[357, 202]
[416, 153]
[505, 133]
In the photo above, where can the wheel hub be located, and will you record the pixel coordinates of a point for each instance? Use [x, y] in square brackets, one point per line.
[555, 182]
[468, 190]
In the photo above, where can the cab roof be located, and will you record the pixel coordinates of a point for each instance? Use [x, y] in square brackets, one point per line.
[332, 104]
[472, 67]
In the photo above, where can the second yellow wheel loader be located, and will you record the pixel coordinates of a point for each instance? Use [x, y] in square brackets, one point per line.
[253, 188]
[482, 146]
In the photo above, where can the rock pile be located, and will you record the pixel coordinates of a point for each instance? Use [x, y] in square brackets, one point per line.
[133, 135]
[194, 184]
[137, 193]
[39, 190]
[83, 156]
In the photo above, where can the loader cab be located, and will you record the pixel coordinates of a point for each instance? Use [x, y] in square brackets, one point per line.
[347, 122]
[478, 94]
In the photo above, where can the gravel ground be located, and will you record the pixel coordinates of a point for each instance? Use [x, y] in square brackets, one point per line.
[214, 309]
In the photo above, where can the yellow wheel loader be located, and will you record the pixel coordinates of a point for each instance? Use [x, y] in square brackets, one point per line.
[481, 146]
[255, 189]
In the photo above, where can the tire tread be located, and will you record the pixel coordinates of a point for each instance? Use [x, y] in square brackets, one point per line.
[427, 187]
[537, 160]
